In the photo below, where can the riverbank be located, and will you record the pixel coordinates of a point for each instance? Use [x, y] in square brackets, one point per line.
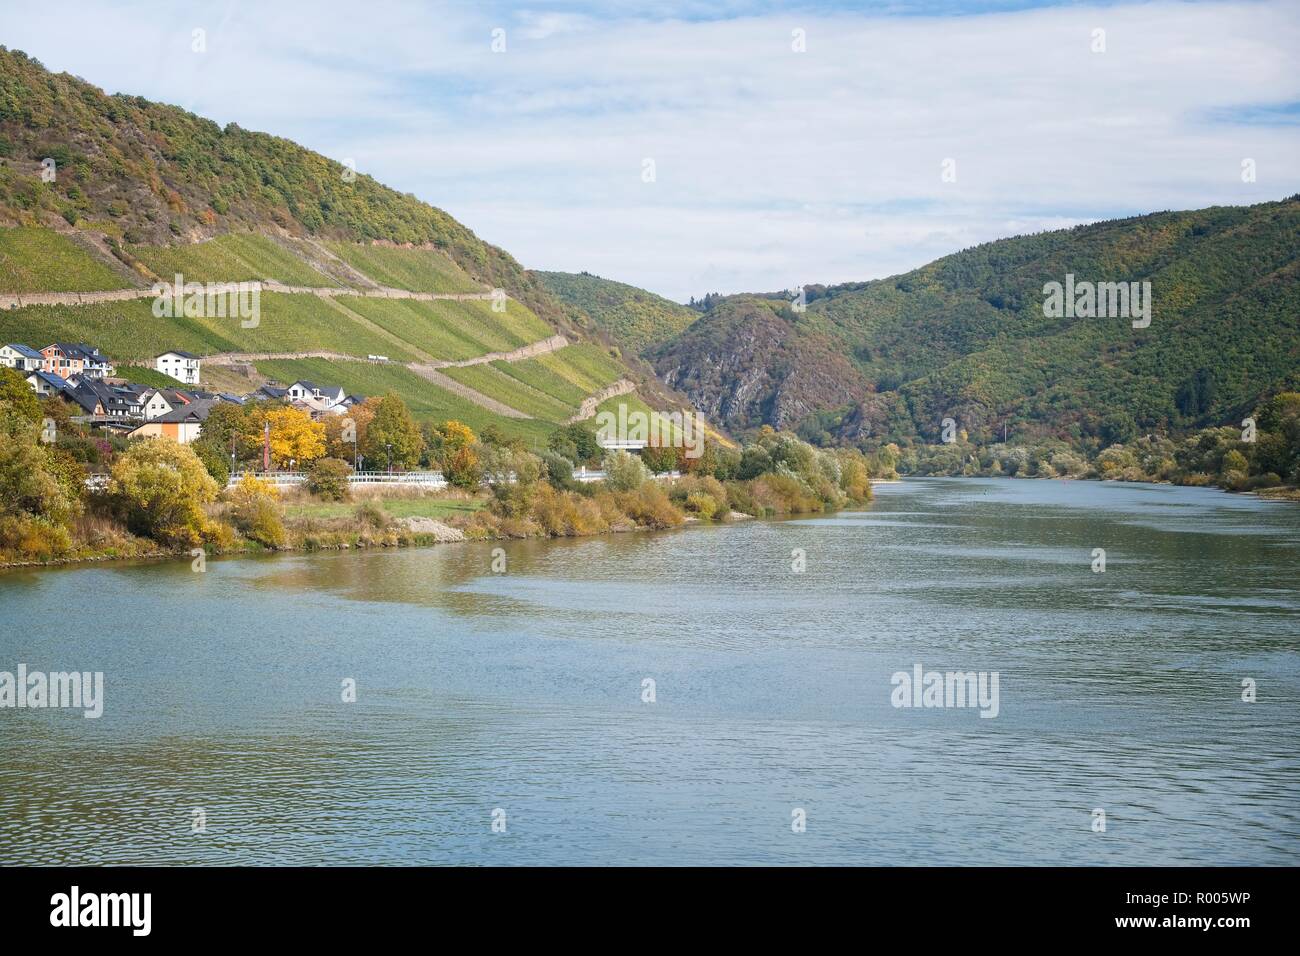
[404, 518]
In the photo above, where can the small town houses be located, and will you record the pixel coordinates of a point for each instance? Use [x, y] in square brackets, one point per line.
[316, 400]
[84, 377]
[182, 366]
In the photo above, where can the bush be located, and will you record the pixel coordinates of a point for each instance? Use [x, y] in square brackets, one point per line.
[369, 513]
[328, 479]
[624, 472]
[704, 505]
[255, 507]
[160, 488]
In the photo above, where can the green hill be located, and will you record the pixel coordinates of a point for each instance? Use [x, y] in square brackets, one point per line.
[966, 336]
[143, 191]
[633, 318]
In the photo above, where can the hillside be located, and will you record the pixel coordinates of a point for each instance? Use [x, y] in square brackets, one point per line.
[351, 269]
[966, 336]
[633, 318]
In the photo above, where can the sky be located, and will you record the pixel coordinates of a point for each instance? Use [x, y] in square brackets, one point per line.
[690, 147]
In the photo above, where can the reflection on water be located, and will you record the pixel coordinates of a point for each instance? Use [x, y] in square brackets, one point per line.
[523, 692]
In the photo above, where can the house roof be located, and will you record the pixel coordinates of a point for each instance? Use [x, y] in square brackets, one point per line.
[50, 379]
[178, 352]
[196, 410]
[80, 350]
[26, 351]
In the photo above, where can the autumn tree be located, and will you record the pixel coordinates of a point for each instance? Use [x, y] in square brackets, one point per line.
[294, 436]
[161, 488]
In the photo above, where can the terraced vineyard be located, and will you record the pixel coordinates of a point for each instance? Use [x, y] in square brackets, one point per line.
[427, 401]
[511, 391]
[41, 260]
[420, 270]
[234, 257]
[536, 374]
[451, 330]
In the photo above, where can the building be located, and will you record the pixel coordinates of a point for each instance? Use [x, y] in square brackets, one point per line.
[182, 366]
[21, 357]
[181, 425]
[69, 359]
[45, 384]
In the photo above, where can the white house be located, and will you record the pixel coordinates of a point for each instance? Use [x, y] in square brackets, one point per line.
[319, 397]
[155, 402]
[182, 366]
[21, 357]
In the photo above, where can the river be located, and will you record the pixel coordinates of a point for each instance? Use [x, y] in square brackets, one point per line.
[505, 718]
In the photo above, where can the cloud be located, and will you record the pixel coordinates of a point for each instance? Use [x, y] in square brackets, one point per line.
[771, 166]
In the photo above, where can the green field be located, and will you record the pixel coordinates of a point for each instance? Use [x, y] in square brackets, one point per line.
[129, 331]
[427, 401]
[234, 257]
[33, 259]
[143, 375]
[437, 508]
[450, 329]
[635, 404]
[488, 381]
[419, 270]
[584, 365]
[533, 372]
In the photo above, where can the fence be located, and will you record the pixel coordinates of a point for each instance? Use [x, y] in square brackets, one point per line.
[426, 479]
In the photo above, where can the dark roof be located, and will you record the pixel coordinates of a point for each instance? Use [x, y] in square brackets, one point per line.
[80, 350]
[51, 379]
[26, 351]
[188, 355]
[197, 409]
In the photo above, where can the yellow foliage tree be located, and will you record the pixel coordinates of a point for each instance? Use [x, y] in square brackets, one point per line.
[294, 436]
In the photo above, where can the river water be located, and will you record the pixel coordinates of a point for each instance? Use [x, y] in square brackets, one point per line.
[520, 698]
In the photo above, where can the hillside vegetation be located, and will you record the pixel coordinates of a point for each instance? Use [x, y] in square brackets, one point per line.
[150, 174]
[966, 337]
[633, 318]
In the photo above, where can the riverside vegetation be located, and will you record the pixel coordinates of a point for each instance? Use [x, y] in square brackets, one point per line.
[158, 497]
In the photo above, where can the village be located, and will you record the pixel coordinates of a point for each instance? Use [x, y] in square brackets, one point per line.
[83, 376]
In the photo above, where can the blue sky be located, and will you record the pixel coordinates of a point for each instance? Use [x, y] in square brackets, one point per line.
[789, 143]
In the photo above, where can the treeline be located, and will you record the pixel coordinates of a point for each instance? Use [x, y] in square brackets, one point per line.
[1264, 453]
[153, 495]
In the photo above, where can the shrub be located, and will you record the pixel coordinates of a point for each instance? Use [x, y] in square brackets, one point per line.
[160, 488]
[255, 507]
[369, 513]
[624, 472]
[328, 479]
[704, 505]
[649, 506]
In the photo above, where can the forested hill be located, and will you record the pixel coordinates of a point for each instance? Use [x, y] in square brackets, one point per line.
[966, 337]
[148, 173]
[633, 318]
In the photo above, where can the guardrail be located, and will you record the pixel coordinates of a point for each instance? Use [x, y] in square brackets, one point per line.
[427, 479]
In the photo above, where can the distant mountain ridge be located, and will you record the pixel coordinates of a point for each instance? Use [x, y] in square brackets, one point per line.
[966, 336]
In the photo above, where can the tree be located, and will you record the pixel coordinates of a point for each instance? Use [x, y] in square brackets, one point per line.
[328, 479]
[624, 472]
[17, 398]
[575, 442]
[294, 436]
[661, 458]
[256, 510]
[161, 488]
[393, 429]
